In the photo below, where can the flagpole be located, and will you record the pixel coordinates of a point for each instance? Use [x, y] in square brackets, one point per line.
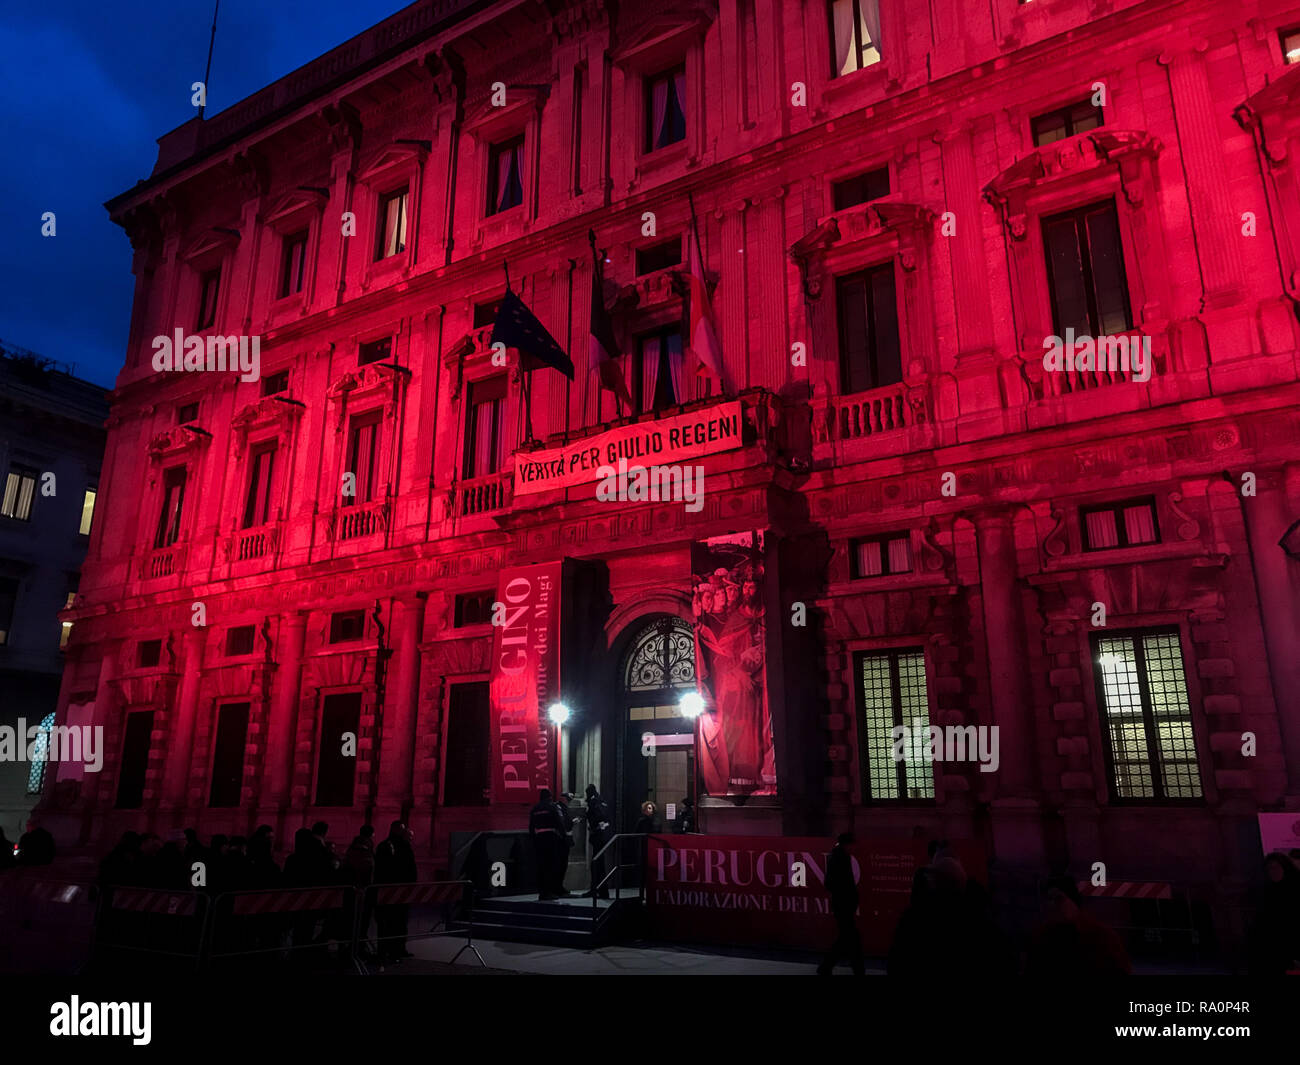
[208, 69]
[599, 294]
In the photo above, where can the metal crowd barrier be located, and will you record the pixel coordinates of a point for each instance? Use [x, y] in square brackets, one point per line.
[296, 924]
[396, 906]
[135, 922]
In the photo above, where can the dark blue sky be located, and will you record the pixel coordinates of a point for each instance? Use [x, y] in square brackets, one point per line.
[86, 88]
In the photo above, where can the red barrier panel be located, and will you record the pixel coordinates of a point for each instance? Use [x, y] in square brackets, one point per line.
[291, 901]
[1122, 889]
[391, 894]
[145, 900]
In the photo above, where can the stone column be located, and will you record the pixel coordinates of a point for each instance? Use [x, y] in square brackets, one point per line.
[183, 715]
[273, 796]
[397, 750]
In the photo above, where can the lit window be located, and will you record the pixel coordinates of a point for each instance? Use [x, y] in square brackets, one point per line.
[855, 34]
[66, 626]
[1065, 122]
[1291, 45]
[1146, 717]
[505, 176]
[20, 491]
[892, 693]
[1120, 525]
[292, 264]
[391, 237]
[878, 556]
[666, 109]
[87, 511]
[40, 754]
[209, 286]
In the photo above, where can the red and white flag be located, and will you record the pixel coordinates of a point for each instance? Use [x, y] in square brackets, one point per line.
[604, 347]
[704, 334]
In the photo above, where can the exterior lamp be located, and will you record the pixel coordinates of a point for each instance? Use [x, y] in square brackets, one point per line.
[691, 705]
[558, 713]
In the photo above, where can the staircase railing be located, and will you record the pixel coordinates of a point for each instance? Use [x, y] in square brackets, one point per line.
[616, 872]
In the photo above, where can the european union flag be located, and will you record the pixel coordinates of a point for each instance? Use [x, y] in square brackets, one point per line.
[517, 327]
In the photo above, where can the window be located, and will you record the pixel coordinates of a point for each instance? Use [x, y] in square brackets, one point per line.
[505, 176]
[893, 693]
[468, 741]
[228, 755]
[65, 627]
[293, 259]
[347, 625]
[335, 770]
[40, 752]
[485, 314]
[484, 437]
[390, 239]
[362, 448]
[474, 608]
[665, 101]
[8, 600]
[1146, 718]
[239, 640]
[87, 511]
[855, 34]
[659, 256]
[148, 653]
[660, 377]
[187, 413]
[877, 556]
[209, 285]
[261, 473]
[276, 383]
[1120, 525]
[1291, 45]
[1065, 122]
[135, 759]
[375, 351]
[861, 188]
[169, 518]
[20, 491]
[870, 356]
[1085, 271]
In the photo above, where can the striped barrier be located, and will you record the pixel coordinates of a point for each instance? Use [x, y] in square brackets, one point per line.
[393, 894]
[288, 901]
[146, 900]
[1127, 889]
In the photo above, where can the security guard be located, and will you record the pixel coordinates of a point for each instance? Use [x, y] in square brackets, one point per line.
[547, 830]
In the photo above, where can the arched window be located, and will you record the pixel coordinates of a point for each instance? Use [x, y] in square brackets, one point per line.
[40, 754]
[662, 656]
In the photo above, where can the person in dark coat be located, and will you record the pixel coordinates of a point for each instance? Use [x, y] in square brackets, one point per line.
[843, 890]
[1071, 943]
[546, 830]
[946, 931]
[600, 819]
[686, 817]
[394, 864]
[1275, 939]
[359, 870]
[566, 843]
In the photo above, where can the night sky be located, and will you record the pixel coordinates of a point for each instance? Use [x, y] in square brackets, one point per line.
[86, 89]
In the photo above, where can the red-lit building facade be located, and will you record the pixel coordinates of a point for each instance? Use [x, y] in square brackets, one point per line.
[897, 205]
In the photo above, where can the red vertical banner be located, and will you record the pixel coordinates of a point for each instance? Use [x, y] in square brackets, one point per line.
[736, 755]
[525, 680]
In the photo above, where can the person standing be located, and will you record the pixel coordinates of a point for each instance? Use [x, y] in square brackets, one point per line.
[599, 818]
[843, 890]
[394, 864]
[686, 817]
[545, 827]
[566, 843]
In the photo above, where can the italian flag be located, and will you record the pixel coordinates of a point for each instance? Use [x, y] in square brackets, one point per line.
[704, 336]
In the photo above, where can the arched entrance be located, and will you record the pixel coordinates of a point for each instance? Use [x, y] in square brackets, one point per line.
[657, 755]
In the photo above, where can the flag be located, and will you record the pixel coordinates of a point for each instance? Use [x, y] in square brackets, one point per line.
[517, 327]
[703, 340]
[604, 348]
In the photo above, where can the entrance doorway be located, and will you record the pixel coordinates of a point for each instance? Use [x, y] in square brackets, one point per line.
[658, 753]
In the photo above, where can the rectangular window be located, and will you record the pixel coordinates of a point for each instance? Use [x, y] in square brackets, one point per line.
[1085, 271]
[665, 104]
[148, 653]
[292, 263]
[187, 413]
[855, 35]
[474, 608]
[660, 256]
[1291, 45]
[209, 285]
[468, 740]
[40, 756]
[877, 556]
[505, 175]
[20, 492]
[390, 238]
[1078, 117]
[861, 188]
[239, 640]
[276, 383]
[335, 771]
[257, 504]
[484, 427]
[8, 600]
[173, 501]
[363, 436]
[1146, 717]
[485, 314]
[867, 307]
[65, 627]
[892, 693]
[659, 374]
[87, 511]
[375, 351]
[347, 625]
[228, 755]
[136, 739]
[1120, 525]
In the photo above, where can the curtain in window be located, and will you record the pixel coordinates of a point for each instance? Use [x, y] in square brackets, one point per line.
[870, 26]
[362, 463]
[1138, 525]
[1101, 529]
[846, 57]
[486, 438]
[659, 111]
[677, 367]
[650, 347]
[870, 559]
[900, 556]
[395, 225]
[510, 187]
